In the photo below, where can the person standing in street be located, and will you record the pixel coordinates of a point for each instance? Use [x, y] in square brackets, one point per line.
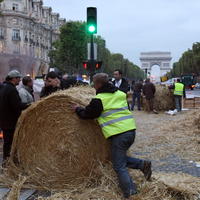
[110, 108]
[1, 85]
[26, 91]
[120, 82]
[179, 93]
[10, 110]
[137, 89]
[52, 84]
[149, 91]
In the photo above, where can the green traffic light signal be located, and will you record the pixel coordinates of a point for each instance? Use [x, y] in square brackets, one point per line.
[92, 20]
[91, 28]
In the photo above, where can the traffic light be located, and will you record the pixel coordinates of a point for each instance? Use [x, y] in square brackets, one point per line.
[98, 64]
[85, 64]
[92, 20]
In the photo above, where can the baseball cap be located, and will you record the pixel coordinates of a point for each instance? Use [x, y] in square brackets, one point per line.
[14, 74]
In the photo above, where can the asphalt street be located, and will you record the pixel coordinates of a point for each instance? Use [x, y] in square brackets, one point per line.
[192, 93]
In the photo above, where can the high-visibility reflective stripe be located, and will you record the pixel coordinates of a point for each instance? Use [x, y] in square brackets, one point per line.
[114, 111]
[116, 120]
[178, 92]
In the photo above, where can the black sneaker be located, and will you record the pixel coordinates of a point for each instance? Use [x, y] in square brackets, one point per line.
[147, 170]
[133, 192]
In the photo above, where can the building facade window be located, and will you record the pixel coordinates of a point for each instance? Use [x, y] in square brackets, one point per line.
[16, 49]
[16, 35]
[1, 33]
[15, 21]
[15, 7]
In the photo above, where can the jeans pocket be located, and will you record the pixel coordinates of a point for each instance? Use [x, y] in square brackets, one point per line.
[132, 138]
[128, 139]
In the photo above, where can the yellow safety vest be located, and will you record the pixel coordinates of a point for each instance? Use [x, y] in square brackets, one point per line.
[116, 117]
[179, 87]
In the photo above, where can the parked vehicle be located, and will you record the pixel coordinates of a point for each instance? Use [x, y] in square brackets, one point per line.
[197, 85]
[189, 81]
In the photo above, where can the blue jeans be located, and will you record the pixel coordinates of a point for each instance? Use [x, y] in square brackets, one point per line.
[178, 102]
[119, 146]
[137, 96]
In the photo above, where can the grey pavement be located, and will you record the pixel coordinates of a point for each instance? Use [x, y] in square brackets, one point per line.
[193, 93]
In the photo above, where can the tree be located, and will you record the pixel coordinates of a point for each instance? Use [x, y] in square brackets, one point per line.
[189, 63]
[70, 50]
[1, 2]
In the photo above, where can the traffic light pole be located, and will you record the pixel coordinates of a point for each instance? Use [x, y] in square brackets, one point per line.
[92, 67]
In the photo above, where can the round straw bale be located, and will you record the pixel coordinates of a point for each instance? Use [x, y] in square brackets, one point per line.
[163, 100]
[196, 121]
[53, 146]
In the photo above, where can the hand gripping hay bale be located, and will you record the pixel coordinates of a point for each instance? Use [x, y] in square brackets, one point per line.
[53, 146]
[163, 100]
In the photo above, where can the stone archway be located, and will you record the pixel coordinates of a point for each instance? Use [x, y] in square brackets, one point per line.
[155, 73]
[162, 59]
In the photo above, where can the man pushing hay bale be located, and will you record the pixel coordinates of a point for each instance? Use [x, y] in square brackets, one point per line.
[53, 146]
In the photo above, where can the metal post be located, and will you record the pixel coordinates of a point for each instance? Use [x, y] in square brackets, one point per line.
[92, 67]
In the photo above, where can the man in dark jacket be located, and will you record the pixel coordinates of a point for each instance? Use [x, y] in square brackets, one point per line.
[111, 110]
[10, 110]
[120, 82]
[1, 85]
[52, 84]
[149, 90]
[137, 89]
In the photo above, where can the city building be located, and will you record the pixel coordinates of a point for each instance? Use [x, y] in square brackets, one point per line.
[27, 30]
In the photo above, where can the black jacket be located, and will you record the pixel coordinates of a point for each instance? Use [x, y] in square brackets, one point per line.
[10, 106]
[47, 90]
[95, 108]
[149, 90]
[124, 87]
[1, 85]
[137, 88]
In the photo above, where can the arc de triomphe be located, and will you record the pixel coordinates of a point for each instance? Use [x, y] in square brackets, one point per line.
[162, 59]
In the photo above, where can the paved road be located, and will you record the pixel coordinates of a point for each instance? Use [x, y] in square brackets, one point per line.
[164, 146]
[193, 93]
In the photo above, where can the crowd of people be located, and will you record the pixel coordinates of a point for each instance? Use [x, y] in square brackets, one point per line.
[109, 106]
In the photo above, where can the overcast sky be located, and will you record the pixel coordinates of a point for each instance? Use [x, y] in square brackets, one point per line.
[133, 26]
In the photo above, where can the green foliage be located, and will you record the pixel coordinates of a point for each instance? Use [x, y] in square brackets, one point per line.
[71, 49]
[1, 2]
[189, 62]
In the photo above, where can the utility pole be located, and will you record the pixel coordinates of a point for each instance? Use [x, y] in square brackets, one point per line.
[91, 61]
[91, 29]
[92, 64]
